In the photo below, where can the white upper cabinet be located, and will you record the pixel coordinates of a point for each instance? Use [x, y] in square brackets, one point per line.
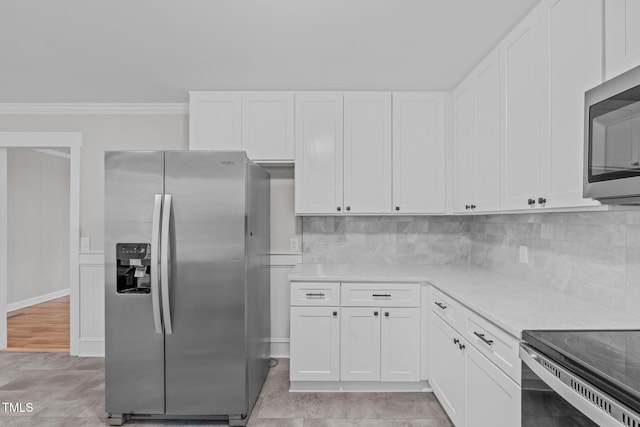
[267, 125]
[477, 139]
[319, 153]
[487, 82]
[573, 63]
[622, 35]
[547, 63]
[522, 146]
[464, 139]
[260, 123]
[215, 121]
[418, 153]
[367, 152]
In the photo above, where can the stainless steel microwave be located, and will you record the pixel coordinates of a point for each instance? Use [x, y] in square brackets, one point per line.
[612, 140]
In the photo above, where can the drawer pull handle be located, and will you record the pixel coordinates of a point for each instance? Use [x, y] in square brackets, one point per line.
[481, 336]
[381, 295]
[315, 295]
[441, 305]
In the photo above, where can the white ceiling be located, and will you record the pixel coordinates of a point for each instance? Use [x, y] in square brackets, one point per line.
[158, 50]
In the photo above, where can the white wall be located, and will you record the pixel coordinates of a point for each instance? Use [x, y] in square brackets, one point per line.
[102, 132]
[38, 224]
[284, 224]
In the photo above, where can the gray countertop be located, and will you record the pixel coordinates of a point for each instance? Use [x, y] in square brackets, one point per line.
[512, 304]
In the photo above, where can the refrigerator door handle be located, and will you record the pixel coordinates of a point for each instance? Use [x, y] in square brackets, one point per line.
[155, 245]
[164, 264]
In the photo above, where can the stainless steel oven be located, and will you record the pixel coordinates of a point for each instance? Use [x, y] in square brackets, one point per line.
[612, 140]
[580, 378]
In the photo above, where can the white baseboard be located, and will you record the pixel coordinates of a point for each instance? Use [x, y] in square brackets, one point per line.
[91, 347]
[37, 300]
[280, 348]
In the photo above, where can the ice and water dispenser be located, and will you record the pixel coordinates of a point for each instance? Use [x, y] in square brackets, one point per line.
[133, 263]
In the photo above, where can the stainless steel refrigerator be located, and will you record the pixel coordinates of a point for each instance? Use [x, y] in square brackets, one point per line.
[187, 284]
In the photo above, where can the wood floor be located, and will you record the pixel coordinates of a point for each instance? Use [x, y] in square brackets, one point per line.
[40, 327]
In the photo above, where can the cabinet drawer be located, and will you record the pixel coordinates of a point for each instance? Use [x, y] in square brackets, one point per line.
[315, 293]
[448, 309]
[495, 344]
[381, 294]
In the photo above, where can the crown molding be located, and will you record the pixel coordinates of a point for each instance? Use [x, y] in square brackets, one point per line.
[94, 108]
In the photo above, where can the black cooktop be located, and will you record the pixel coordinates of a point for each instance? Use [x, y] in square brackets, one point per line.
[610, 360]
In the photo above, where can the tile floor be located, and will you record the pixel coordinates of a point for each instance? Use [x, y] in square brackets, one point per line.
[69, 391]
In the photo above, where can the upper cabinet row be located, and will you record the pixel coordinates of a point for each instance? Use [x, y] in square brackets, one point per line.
[370, 153]
[355, 152]
[518, 116]
[517, 124]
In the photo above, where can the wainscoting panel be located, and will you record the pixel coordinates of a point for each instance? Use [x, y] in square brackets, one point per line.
[91, 341]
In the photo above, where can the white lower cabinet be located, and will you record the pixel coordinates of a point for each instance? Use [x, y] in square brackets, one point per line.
[493, 399]
[360, 344]
[355, 345]
[472, 389]
[380, 344]
[448, 377]
[400, 344]
[315, 344]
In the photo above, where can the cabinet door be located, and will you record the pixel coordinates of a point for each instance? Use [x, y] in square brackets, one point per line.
[315, 341]
[215, 121]
[573, 61]
[622, 36]
[367, 152]
[418, 153]
[522, 144]
[448, 372]
[464, 138]
[487, 173]
[319, 151]
[493, 399]
[267, 125]
[360, 344]
[400, 344]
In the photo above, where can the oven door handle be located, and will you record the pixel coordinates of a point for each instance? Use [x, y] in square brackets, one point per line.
[583, 396]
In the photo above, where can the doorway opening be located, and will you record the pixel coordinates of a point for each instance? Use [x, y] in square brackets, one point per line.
[66, 144]
[38, 194]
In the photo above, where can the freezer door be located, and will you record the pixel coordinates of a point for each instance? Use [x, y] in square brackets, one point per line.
[206, 351]
[134, 352]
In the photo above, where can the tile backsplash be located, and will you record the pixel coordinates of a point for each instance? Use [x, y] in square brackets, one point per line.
[591, 255]
[386, 240]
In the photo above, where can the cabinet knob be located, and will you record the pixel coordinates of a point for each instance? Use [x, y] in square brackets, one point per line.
[397, 208]
[467, 206]
[386, 314]
[375, 313]
[456, 340]
[335, 314]
[461, 346]
[339, 208]
[531, 202]
[542, 200]
[473, 206]
[348, 208]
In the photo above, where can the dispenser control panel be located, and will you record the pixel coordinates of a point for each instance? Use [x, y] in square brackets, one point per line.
[133, 265]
